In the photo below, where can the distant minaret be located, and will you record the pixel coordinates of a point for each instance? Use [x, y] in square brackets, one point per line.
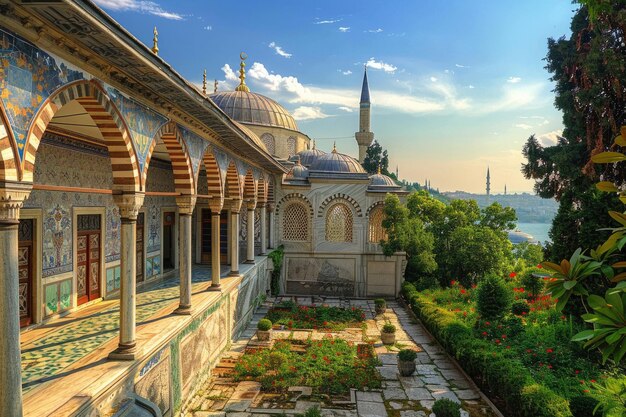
[364, 137]
[397, 174]
[488, 183]
[504, 189]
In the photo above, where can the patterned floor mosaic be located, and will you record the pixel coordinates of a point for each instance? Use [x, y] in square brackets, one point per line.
[50, 355]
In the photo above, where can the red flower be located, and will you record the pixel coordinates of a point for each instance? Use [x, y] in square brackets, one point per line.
[539, 266]
[484, 333]
[512, 275]
[549, 350]
[463, 291]
[452, 282]
[576, 371]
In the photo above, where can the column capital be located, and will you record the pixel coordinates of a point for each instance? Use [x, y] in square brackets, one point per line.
[12, 196]
[216, 204]
[235, 206]
[186, 203]
[129, 204]
[270, 207]
[251, 204]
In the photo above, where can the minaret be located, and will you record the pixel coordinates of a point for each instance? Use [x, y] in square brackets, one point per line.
[397, 174]
[364, 137]
[488, 183]
[504, 189]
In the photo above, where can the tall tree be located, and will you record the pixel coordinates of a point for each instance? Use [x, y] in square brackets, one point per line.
[589, 72]
[375, 156]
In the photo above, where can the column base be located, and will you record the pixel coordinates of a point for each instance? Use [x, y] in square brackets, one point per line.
[249, 262]
[183, 311]
[215, 287]
[233, 274]
[124, 352]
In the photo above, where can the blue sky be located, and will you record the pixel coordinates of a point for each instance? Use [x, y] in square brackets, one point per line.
[456, 86]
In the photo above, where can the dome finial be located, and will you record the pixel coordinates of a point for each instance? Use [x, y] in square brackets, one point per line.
[335, 147]
[155, 42]
[242, 74]
[204, 82]
[215, 87]
[313, 144]
[378, 169]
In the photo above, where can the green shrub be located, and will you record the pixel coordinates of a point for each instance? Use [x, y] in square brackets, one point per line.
[532, 281]
[407, 355]
[520, 308]
[493, 298]
[380, 302]
[389, 328]
[583, 406]
[264, 325]
[539, 401]
[312, 412]
[276, 256]
[446, 408]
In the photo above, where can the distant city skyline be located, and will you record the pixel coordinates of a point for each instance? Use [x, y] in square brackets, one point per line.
[455, 86]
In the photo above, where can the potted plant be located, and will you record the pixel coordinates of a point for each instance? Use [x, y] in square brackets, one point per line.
[264, 330]
[380, 305]
[406, 362]
[388, 335]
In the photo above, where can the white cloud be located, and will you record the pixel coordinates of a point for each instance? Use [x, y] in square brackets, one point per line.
[347, 72]
[140, 6]
[461, 66]
[378, 30]
[308, 113]
[327, 21]
[344, 29]
[513, 80]
[229, 73]
[433, 79]
[279, 50]
[346, 109]
[380, 65]
[208, 28]
[515, 97]
[471, 86]
[524, 126]
[550, 138]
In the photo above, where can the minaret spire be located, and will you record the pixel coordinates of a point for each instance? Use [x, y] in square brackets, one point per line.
[488, 183]
[364, 137]
[155, 41]
[204, 82]
[242, 74]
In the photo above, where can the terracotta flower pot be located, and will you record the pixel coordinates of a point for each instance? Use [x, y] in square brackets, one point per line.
[388, 338]
[380, 309]
[406, 368]
[263, 336]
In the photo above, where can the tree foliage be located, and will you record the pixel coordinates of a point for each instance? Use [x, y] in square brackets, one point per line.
[375, 156]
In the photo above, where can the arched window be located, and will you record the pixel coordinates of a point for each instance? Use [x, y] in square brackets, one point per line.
[376, 233]
[339, 223]
[268, 141]
[296, 222]
[291, 146]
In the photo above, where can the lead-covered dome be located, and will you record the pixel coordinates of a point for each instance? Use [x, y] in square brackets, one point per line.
[308, 156]
[252, 108]
[337, 162]
[381, 180]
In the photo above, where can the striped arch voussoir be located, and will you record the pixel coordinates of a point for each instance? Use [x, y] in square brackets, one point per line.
[213, 174]
[233, 182]
[294, 197]
[249, 187]
[97, 104]
[340, 196]
[262, 191]
[184, 180]
[380, 203]
[9, 167]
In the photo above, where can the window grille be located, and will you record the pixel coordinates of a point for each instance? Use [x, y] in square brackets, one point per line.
[296, 222]
[376, 232]
[339, 223]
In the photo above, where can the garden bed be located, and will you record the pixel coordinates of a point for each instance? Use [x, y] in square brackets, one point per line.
[292, 316]
[329, 366]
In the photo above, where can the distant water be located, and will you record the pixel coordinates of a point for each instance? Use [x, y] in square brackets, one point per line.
[538, 230]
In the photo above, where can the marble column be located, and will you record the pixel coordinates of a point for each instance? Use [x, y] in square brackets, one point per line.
[271, 232]
[11, 199]
[186, 204]
[250, 205]
[235, 207]
[216, 208]
[263, 226]
[129, 204]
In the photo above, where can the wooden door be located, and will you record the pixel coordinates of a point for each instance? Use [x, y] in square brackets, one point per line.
[139, 249]
[88, 258]
[25, 267]
[206, 243]
[169, 219]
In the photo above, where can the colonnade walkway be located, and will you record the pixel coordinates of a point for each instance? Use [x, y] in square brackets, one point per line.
[68, 355]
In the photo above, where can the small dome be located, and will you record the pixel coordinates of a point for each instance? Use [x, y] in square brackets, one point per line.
[252, 108]
[380, 180]
[517, 236]
[308, 156]
[337, 162]
[298, 172]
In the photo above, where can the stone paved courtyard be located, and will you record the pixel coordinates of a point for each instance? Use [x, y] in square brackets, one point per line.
[436, 376]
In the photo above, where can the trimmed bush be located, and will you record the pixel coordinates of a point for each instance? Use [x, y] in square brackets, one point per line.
[520, 308]
[407, 355]
[446, 408]
[493, 298]
[264, 325]
[583, 406]
[380, 302]
[389, 328]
